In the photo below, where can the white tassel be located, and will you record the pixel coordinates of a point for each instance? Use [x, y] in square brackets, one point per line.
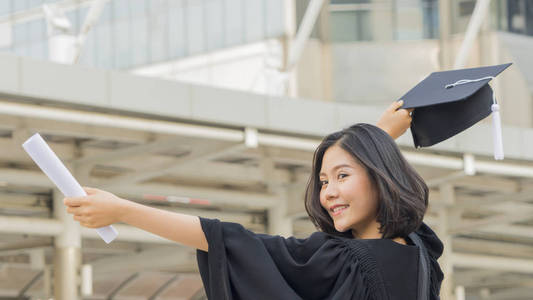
[497, 132]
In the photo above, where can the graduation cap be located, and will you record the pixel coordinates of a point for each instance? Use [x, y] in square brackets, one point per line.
[448, 102]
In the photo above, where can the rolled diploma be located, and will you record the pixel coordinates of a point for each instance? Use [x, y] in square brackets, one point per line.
[50, 164]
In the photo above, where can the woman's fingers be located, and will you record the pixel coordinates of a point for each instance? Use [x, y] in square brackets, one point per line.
[78, 218]
[394, 106]
[73, 210]
[90, 190]
[74, 201]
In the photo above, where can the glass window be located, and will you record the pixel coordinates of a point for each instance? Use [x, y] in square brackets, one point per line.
[87, 55]
[104, 55]
[20, 33]
[35, 3]
[274, 18]
[19, 5]
[122, 44]
[195, 27]
[158, 6]
[158, 36]
[520, 16]
[82, 14]
[5, 7]
[36, 50]
[36, 30]
[430, 16]
[349, 1]
[139, 38]
[106, 15]
[529, 17]
[73, 17]
[348, 26]
[21, 50]
[138, 8]
[233, 19]
[121, 9]
[409, 20]
[254, 28]
[215, 24]
[176, 31]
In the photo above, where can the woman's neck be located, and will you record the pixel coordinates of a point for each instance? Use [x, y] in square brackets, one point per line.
[369, 231]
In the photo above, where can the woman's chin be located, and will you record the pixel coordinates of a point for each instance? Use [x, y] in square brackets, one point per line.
[341, 227]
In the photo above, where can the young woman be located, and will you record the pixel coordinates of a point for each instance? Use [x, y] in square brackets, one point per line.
[362, 195]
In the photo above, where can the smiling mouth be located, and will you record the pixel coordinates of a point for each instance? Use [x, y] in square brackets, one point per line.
[338, 210]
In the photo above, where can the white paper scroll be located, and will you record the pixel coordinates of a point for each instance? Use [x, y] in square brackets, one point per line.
[50, 164]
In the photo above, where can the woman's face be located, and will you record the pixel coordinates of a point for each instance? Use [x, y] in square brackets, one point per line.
[346, 191]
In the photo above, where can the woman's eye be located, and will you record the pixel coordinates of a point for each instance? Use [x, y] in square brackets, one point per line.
[323, 182]
[343, 175]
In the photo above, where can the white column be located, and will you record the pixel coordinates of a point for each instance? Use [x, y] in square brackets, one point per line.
[447, 217]
[484, 293]
[290, 32]
[279, 223]
[67, 259]
[460, 293]
[444, 33]
[38, 262]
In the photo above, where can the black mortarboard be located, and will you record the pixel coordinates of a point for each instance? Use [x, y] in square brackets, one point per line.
[448, 102]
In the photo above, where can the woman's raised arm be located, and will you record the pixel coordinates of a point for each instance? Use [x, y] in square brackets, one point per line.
[100, 208]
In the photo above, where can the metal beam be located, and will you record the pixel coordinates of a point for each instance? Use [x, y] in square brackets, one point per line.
[164, 287]
[120, 121]
[30, 284]
[231, 135]
[142, 175]
[216, 196]
[492, 247]
[469, 226]
[122, 285]
[175, 258]
[497, 263]
[128, 152]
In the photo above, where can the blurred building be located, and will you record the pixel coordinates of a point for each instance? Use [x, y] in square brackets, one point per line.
[223, 101]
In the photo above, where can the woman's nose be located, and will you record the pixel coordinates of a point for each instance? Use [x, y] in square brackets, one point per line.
[332, 191]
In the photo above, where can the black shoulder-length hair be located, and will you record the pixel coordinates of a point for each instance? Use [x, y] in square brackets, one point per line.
[402, 193]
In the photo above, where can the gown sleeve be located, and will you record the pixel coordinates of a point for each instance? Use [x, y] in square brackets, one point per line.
[240, 264]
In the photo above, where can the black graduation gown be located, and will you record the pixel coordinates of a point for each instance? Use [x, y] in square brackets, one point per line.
[242, 265]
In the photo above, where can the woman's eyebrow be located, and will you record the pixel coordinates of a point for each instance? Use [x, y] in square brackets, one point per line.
[337, 167]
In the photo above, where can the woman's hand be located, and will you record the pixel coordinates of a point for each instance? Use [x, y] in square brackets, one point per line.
[97, 209]
[395, 120]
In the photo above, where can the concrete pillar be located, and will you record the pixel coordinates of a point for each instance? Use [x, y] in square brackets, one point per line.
[460, 293]
[67, 258]
[279, 221]
[290, 32]
[447, 216]
[38, 262]
[47, 282]
[445, 44]
[484, 293]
